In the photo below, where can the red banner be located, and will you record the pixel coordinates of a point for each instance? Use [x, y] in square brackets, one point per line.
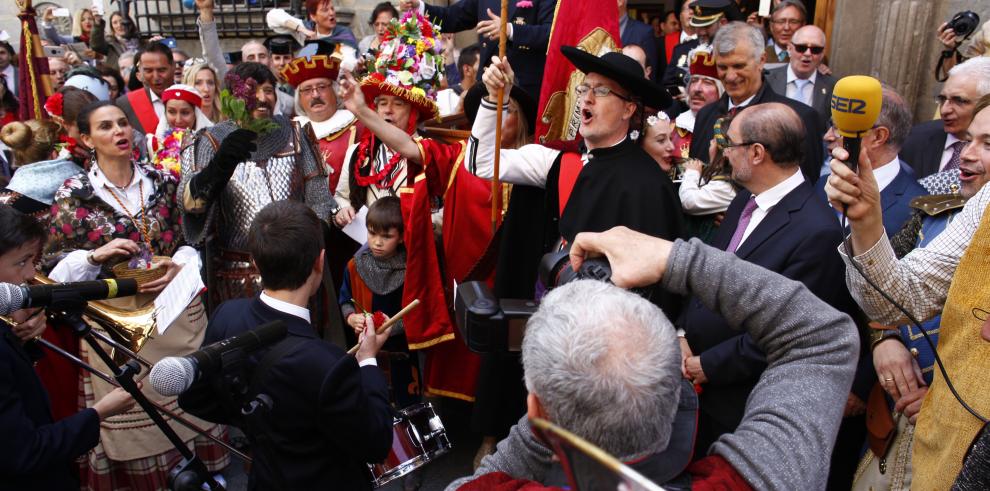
[591, 25]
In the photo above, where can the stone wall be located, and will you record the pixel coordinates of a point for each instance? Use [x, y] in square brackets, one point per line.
[894, 41]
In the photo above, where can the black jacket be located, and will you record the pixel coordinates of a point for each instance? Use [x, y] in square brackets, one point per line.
[527, 51]
[330, 417]
[924, 147]
[814, 153]
[37, 452]
[797, 239]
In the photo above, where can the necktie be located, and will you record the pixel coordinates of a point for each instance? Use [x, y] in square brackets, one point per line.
[953, 162]
[744, 218]
[801, 84]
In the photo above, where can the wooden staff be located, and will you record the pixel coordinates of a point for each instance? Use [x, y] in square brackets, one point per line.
[389, 323]
[496, 185]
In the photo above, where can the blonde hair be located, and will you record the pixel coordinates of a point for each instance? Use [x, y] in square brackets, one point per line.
[32, 141]
[524, 134]
[189, 78]
[77, 22]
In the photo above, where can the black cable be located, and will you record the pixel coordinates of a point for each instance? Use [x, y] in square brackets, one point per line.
[938, 360]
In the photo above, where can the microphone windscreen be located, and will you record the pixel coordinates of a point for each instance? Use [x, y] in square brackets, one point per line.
[172, 375]
[11, 298]
[855, 104]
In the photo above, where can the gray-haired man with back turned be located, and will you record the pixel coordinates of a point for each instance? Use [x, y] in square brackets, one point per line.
[604, 364]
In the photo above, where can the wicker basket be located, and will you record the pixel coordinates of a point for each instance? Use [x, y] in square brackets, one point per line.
[121, 271]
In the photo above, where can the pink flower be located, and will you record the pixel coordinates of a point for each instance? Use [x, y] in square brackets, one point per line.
[81, 213]
[119, 228]
[167, 236]
[522, 4]
[54, 210]
[66, 229]
[135, 236]
[93, 235]
[163, 211]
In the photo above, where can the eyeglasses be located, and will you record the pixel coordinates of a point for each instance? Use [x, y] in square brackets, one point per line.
[790, 22]
[954, 100]
[731, 144]
[599, 91]
[815, 50]
[314, 89]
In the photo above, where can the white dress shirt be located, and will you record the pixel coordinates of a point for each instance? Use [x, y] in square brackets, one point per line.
[156, 102]
[920, 280]
[743, 104]
[947, 150]
[886, 173]
[766, 200]
[807, 92]
[685, 37]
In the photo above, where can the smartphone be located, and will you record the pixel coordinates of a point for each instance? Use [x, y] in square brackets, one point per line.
[62, 12]
[54, 51]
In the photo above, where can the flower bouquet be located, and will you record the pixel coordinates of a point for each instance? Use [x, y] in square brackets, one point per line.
[167, 156]
[238, 102]
[410, 59]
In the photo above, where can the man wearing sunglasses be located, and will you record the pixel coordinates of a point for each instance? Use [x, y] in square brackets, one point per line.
[799, 80]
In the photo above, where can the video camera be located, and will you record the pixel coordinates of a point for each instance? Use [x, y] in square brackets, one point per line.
[492, 325]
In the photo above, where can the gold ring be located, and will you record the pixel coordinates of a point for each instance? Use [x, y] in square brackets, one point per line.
[888, 379]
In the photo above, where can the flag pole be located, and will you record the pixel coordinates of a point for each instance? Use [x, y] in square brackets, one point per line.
[496, 185]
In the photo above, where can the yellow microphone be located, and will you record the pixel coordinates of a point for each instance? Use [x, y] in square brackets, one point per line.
[855, 104]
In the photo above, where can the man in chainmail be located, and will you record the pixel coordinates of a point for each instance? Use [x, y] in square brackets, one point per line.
[229, 174]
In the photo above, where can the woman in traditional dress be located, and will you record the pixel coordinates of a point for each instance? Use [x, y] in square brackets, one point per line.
[121, 209]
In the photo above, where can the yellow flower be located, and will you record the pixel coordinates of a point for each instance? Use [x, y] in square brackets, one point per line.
[420, 47]
[418, 91]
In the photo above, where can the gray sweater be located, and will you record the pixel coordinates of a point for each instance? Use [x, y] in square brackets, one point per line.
[792, 416]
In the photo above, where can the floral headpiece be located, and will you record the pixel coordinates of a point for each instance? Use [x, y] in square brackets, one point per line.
[239, 100]
[54, 106]
[656, 118]
[409, 64]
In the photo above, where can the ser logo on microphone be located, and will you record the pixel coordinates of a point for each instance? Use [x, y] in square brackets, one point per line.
[848, 105]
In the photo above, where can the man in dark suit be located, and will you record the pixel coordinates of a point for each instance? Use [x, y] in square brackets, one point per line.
[38, 452]
[706, 19]
[156, 70]
[896, 180]
[776, 222]
[330, 413]
[686, 33]
[528, 32]
[787, 17]
[935, 146]
[739, 59]
[799, 79]
[634, 32]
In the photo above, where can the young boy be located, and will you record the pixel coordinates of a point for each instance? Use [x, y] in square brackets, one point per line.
[38, 452]
[372, 285]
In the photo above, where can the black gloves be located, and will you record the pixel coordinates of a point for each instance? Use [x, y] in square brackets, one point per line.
[234, 149]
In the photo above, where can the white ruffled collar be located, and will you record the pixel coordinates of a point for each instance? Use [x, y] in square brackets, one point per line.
[340, 120]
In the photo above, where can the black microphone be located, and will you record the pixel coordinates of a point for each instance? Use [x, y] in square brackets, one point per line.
[174, 375]
[17, 297]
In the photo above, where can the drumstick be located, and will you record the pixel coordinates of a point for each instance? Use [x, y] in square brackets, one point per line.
[389, 323]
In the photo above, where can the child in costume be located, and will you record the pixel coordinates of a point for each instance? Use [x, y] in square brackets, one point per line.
[372, 285]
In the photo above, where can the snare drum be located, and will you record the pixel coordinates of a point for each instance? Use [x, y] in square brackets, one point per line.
[418, 437]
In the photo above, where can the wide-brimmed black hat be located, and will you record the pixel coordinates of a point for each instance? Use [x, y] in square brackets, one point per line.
[624, 70]
[472, 99]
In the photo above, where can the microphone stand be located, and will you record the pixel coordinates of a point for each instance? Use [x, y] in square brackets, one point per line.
[191, 473]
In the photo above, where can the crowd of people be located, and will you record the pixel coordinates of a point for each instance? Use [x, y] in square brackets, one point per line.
[780, 314]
